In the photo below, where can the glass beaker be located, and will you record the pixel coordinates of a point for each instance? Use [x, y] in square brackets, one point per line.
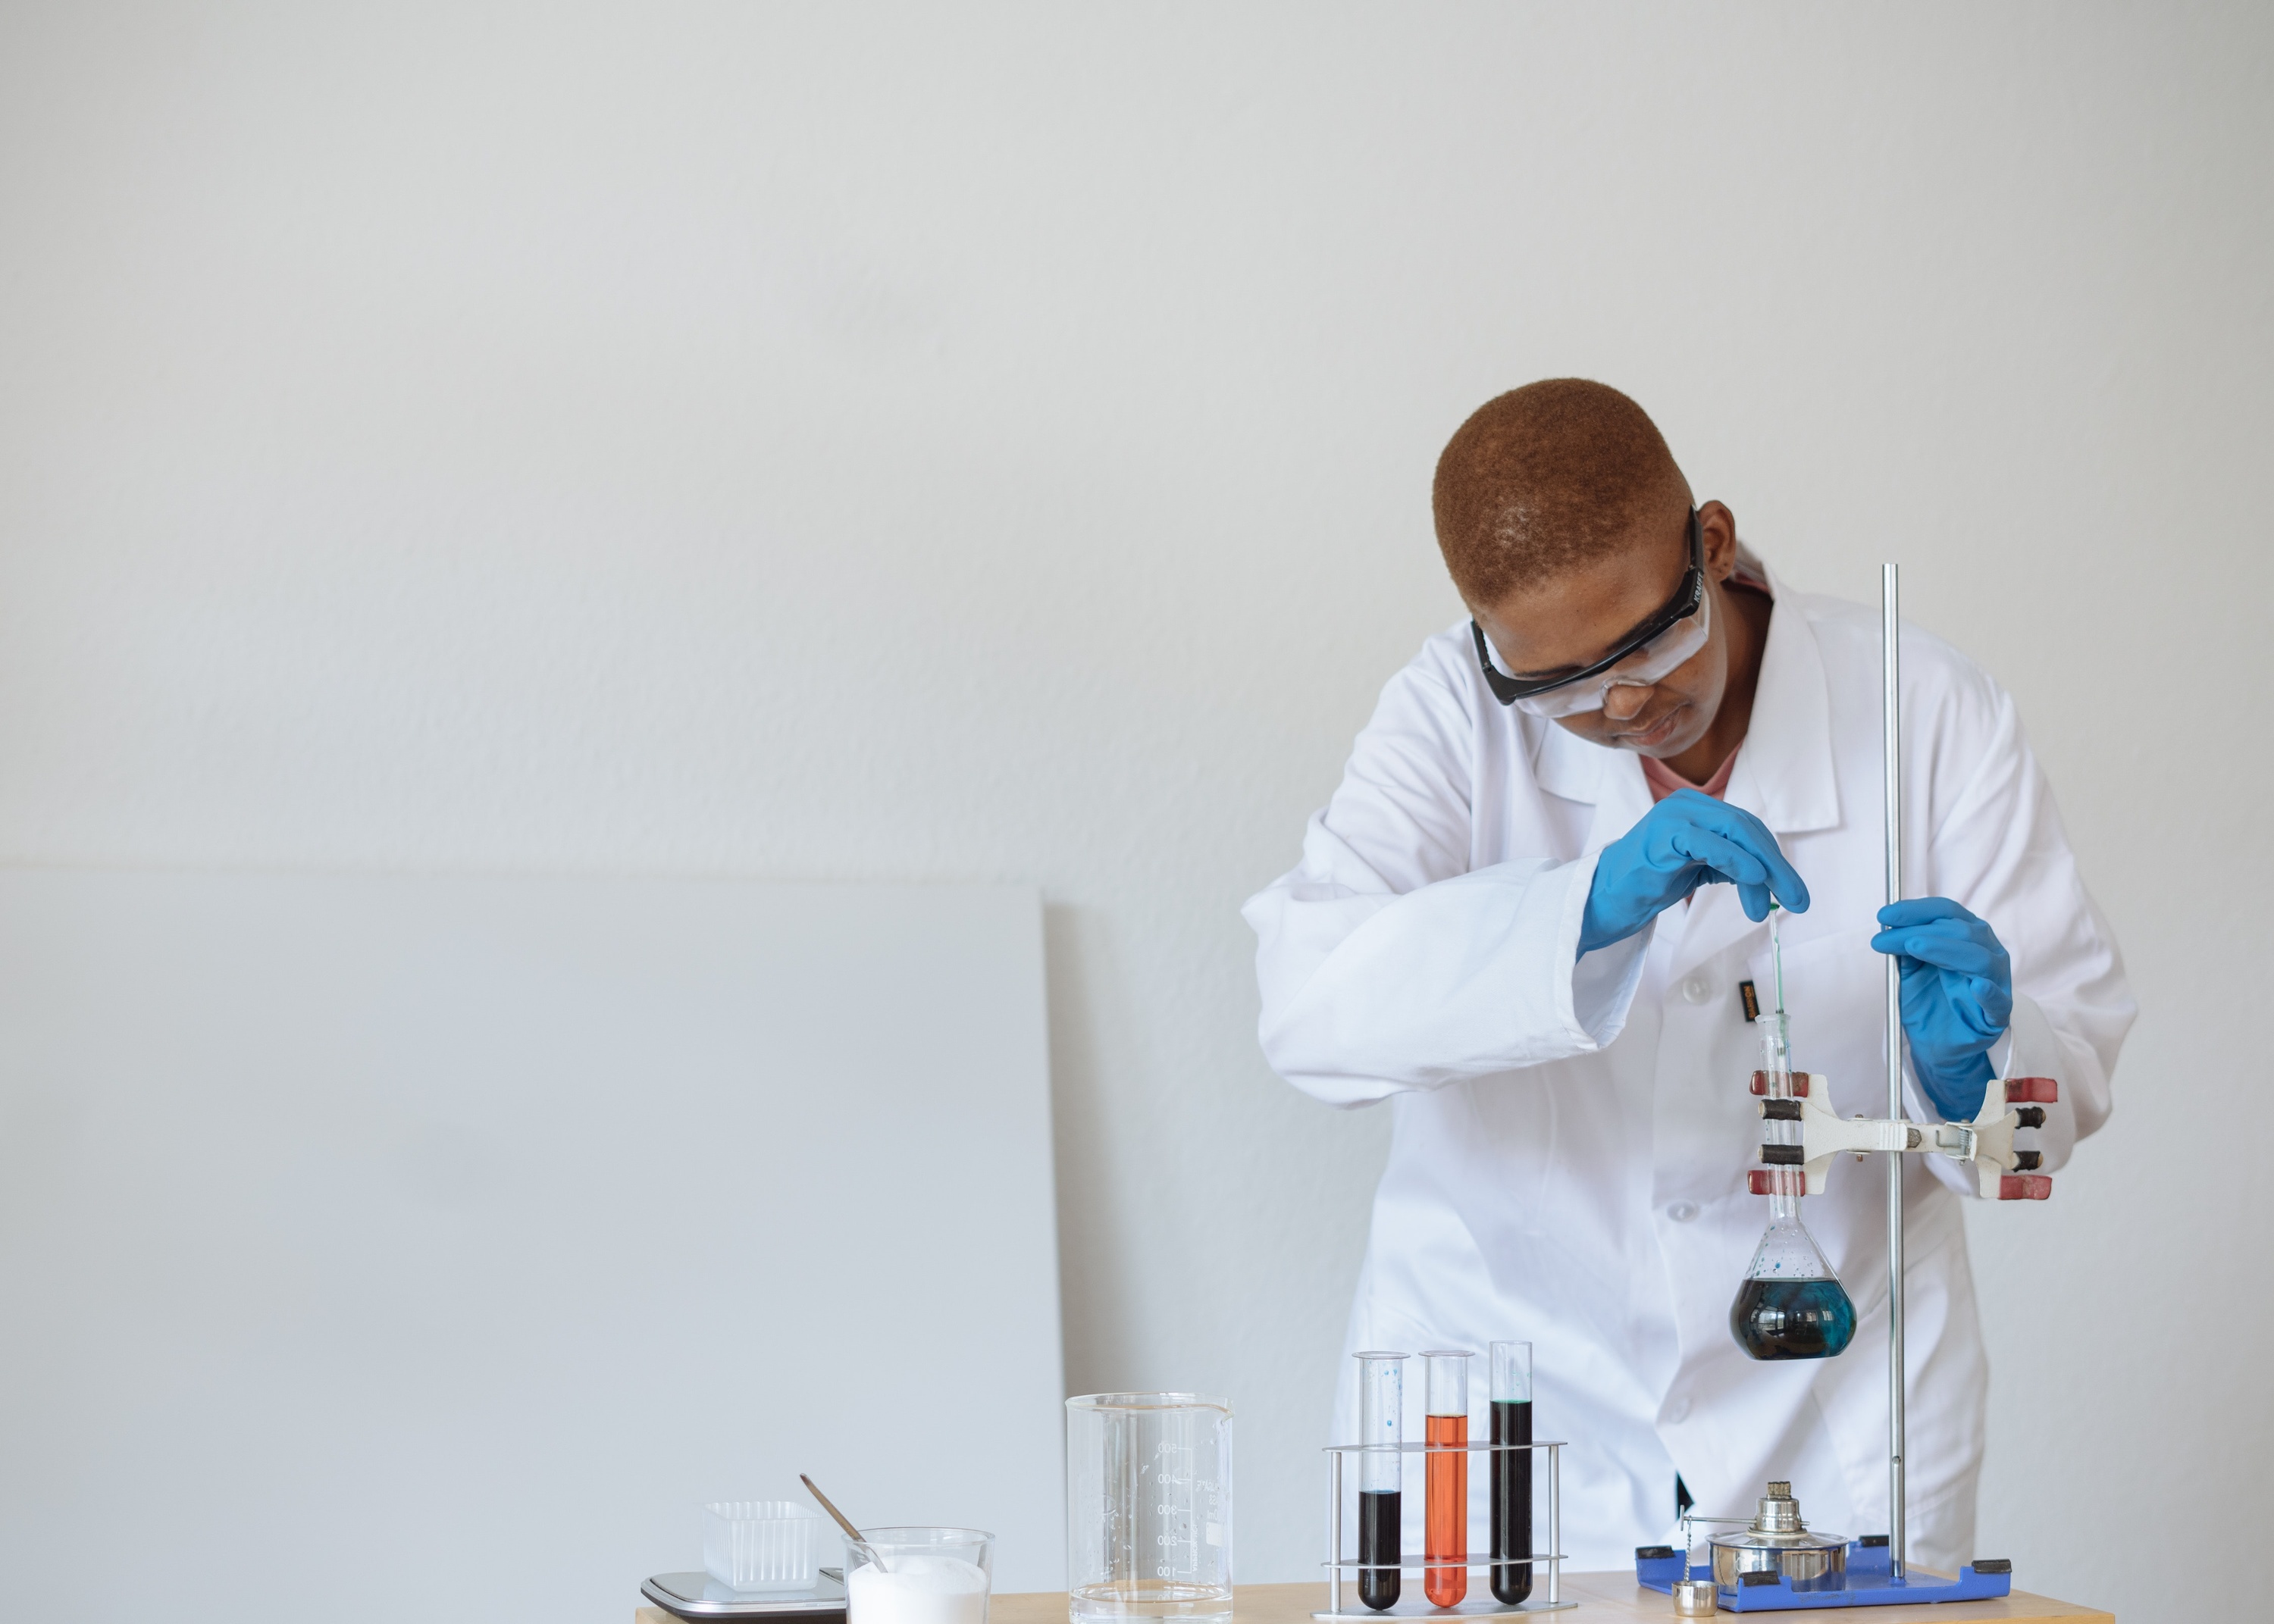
[1149, 1507]
[927, 1576]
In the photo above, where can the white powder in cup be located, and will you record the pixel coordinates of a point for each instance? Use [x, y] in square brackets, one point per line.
[919, 1589]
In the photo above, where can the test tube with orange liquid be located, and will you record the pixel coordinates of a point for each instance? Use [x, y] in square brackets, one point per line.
[1445, 1544]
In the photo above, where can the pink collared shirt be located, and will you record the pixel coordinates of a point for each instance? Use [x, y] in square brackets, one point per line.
[1663, 780]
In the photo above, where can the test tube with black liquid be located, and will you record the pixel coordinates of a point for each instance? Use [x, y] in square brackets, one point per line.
[1511, 1471]
[1380, 1477]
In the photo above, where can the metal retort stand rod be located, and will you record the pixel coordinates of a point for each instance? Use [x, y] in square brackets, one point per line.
[1890, 635]
[1997, 1167]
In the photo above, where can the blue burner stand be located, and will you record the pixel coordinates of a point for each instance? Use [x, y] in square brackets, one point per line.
[1866, 1585]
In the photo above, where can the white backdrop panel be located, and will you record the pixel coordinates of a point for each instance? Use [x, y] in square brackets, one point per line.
[438, 1246]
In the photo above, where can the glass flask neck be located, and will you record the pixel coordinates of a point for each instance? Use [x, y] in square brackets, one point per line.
[1787, 1251]
[1776, 1042]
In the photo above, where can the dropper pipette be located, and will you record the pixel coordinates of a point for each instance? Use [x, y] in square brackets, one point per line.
[1780, 1034]
[1776, 951]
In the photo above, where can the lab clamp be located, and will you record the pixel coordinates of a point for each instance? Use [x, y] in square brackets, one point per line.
[1792, 1306]
[2005, 1173]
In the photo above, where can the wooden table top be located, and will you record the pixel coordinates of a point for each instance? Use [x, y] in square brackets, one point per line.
[1607, 1596]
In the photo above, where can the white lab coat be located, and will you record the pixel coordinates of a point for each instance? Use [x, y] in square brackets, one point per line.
[1569, 1142]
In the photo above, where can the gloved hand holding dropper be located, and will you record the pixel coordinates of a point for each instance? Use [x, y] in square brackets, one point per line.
[1686, 840]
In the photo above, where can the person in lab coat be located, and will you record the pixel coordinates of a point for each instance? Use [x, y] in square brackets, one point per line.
[1511, 922]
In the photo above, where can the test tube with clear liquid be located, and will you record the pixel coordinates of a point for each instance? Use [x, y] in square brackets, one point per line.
[1791, 1305]
[1445, 1544]
[1380, 1477]
[1511, 1471]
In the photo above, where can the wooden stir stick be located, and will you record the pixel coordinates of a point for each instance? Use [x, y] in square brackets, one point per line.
[851, 1532]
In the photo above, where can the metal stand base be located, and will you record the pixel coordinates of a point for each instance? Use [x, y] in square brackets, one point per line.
[1869, 1585]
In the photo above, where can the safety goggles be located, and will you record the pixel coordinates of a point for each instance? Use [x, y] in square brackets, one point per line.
[1668, 639]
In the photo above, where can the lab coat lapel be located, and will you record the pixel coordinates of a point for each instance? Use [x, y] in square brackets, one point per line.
[1784, 774]
[1571, 769]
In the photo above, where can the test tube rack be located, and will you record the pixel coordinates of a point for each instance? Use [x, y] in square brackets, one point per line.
[1343, 1569]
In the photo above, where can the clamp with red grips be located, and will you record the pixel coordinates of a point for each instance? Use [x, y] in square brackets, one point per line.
[1797, 1164]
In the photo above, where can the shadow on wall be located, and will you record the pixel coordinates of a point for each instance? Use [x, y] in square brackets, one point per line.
[1094, 1296]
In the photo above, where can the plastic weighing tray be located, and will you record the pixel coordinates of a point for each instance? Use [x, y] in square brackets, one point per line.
[699, 1595]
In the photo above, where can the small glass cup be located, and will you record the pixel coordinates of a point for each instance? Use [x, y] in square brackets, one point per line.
[928, 1575]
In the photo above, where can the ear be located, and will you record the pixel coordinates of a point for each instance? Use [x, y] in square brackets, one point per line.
[1718, 529]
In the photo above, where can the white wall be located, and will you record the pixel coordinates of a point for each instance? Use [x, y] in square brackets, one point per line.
[438, 1247]
[989, 443]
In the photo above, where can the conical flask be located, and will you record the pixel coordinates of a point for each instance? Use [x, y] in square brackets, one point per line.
[1791, 1305]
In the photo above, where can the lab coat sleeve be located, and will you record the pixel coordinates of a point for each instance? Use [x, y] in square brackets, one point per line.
[1999, 847]
[1386, 964]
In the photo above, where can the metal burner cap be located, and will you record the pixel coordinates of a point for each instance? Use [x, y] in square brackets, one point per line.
[1778, 1542]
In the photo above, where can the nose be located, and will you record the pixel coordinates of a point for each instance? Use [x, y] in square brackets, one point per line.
[1622, 701]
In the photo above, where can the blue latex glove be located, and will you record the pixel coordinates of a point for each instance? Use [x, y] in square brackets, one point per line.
[1686, 840]
[1958, 995]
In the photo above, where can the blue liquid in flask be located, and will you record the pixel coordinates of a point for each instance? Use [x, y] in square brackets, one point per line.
[1792, 1319]
[1791, 1305]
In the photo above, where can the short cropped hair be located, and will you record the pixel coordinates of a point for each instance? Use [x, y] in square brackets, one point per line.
[1545, 478]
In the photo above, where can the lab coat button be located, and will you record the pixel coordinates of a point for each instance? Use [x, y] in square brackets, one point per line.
[1678, 1410]
[1697, 989]
[1682, 1211]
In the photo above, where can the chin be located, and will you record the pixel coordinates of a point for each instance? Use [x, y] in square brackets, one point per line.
[1681, 741]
